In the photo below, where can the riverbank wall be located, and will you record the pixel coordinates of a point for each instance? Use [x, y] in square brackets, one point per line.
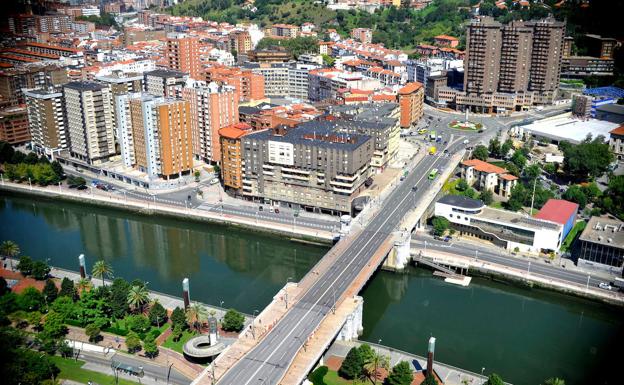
[147, 208]
[524, 278]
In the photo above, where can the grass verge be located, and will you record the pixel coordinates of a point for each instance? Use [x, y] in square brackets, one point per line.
[72, 370]
[177, 345]
[577, 229]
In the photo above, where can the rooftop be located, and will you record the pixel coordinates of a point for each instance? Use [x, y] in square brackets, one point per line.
[564, 127]
[604, 231]
[166, 73]
[618, 131]
[461, 201]
[314, 135]
[482, 166]
[85, 86]
[557, 210]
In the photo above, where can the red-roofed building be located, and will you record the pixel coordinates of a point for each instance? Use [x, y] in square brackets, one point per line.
[446, 41]
[231, 154]
[487, 176]
[559, 211]
[616, 142]
[411, 98]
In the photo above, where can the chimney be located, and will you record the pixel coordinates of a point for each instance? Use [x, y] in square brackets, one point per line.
[430, 352]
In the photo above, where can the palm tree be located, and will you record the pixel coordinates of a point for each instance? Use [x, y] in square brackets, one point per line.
[9, 249]
[102, 268]
[374, 363]
[138, 296]
[196, 314]
[83, 284]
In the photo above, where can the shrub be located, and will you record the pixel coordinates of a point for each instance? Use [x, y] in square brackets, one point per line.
[233, 321]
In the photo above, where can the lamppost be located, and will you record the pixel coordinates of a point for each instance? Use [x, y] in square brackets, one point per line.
[529, 268]
[253, 320]
[587, 286]
[169, 372]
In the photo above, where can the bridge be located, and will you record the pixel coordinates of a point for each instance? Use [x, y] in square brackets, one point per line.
[287, 348]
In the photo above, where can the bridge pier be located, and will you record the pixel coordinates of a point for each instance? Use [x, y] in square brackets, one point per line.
[353, 328]
[399, 256]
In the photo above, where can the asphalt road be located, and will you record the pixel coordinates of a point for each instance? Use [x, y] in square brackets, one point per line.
[269, 360]
[499, 257]
[152, 371]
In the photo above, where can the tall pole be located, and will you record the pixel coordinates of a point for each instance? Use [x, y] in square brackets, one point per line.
[430, 352]
[533, 196]
[186, 293]
[253, 320]
[587, 286]
[83, 269]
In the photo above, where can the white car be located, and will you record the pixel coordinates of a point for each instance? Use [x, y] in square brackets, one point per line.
[466, 141]
[604, 285]
[214, 180]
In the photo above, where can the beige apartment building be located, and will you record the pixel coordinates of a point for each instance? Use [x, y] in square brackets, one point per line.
[46, 119]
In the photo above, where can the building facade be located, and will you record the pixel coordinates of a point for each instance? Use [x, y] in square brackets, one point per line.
[232, 155]
[486, 176]
[411, 98]
[89, 121]
[46, 119]
[14, 125]
[182, 54]
[602, 245]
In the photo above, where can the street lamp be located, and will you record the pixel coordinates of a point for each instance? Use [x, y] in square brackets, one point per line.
[221, 304]
[529, 268]
[253, 320]
[587, 286]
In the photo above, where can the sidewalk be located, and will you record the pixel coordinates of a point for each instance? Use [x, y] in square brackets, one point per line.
[96, 196]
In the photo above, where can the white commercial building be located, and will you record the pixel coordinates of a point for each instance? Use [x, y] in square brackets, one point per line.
[565, 127]
[504, 228]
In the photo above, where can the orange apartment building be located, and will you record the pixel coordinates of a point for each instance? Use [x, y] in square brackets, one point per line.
[14, 125]
[161, 145]
[231, 165]
[213, 107]
[248, 85]
[182, 54]
[411, 98]
[240, 41]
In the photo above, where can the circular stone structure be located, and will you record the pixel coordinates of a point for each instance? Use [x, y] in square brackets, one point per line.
[199, 348]
[466, 126]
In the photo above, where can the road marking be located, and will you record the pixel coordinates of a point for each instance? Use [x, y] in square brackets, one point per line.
[355, 257]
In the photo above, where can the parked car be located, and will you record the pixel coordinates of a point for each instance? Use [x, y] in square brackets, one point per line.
[276, 210]
[448, 238]
[260, 208]
[271, 209]
[214, 180]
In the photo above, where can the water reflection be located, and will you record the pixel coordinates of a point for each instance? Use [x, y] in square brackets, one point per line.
[246, 267]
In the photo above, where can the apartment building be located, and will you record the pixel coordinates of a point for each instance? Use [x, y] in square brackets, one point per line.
[284, 30]
[36, 75]
[46, 119]
[486, 176]
[411, 98]
[520, 57]
[324, 83]
[52, 23]
[89, 121]
[231, 155]
[14, 125]
[51, 49]
[364, 35]
[213, 107]
[240, 41]
[248, 85]
[133, 35]
[602, 245]
[283, 79]
[164, 82]
[182, 54]
[155, 134]
[616, 142]
[314, 168]
[446, 41]
[272, 55]
[265, 115]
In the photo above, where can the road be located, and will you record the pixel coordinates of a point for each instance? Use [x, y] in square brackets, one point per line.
[502, 258]
[152, 371]
[270, 359]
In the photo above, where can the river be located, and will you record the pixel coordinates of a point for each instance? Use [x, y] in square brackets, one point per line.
[524, 335]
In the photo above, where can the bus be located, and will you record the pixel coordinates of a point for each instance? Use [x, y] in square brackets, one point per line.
[433, 173]
[432, 135]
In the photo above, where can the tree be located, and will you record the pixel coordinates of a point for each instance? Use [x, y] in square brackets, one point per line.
[179, 318]
[575, 194]
[462, 185]
[495, 148]
[64, 306]
[519, 159]
[470, 193]
[4, 286]
[30, 299]
[366, 352]
[83, 285]
[506, 147]
[138, 296]
[591, 191]
[317, 376]
[494, 379]
[486, 197]
[149, 346]
[554, 381]
[613, 197]
[177, 332]
[67, 289]
[40, 270]
[430, 380]
[93, 332]
[133, 342]
[50, 292]
[480, 152]
[25, 265]
[440, 225]
[591, 157]
[532, 172]
[31, 158]
[9, 249]
[196, 314]
[233, 321]
[157, 314]
[119, 290]
[54, 325]
[352, 365]
[102, 268]
[58, 169]
[373, 364]
[6, 152]
[401, 374]
[138, 323]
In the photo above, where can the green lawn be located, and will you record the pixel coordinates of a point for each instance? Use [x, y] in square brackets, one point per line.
[497, 205]
[119, 327]
[332, 378]
[72, 370]
[177, 346]
[577, 229]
